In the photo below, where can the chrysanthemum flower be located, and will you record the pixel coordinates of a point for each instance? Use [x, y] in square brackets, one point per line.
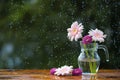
[97, 35]
[64, 70]
[77, 72]
[87, 39]
[52, 71]
[75, 32]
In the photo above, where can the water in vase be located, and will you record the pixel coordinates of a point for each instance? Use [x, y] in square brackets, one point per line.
[89, 66]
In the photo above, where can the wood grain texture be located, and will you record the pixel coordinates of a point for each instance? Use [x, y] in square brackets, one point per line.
[45, 75]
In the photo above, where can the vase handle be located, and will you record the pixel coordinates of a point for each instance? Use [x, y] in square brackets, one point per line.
[106, 51]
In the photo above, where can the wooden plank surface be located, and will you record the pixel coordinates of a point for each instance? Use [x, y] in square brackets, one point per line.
[45, 75]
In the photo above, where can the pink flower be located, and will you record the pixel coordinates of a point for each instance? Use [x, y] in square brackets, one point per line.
[87, 39]
[97, 35]
[64, 70]
[52, 71]
[75, 32]
[77, 72]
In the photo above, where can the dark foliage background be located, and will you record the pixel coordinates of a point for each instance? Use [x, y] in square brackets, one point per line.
[33, 32]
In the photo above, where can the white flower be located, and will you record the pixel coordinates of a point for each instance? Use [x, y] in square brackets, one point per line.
[64, 70]
[97, 35]
[75, 32]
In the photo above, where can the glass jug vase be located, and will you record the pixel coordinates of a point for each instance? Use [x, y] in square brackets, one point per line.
[89, 59]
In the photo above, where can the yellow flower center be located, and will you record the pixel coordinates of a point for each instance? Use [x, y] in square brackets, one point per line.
[74, 30]
[97, 35]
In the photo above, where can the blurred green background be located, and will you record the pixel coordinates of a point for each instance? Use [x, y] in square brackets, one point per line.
[33, 33]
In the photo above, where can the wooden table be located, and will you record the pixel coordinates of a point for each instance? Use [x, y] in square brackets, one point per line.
[45, 75]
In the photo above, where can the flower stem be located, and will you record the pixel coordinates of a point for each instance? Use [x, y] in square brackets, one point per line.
[94, 64]
[90, 64]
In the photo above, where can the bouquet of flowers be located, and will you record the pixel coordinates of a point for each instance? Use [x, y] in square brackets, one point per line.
[88, 44]
[75, 33]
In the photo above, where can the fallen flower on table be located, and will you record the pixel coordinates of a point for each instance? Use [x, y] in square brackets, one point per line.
[77, 72]
[66, 70]
[52, 71]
